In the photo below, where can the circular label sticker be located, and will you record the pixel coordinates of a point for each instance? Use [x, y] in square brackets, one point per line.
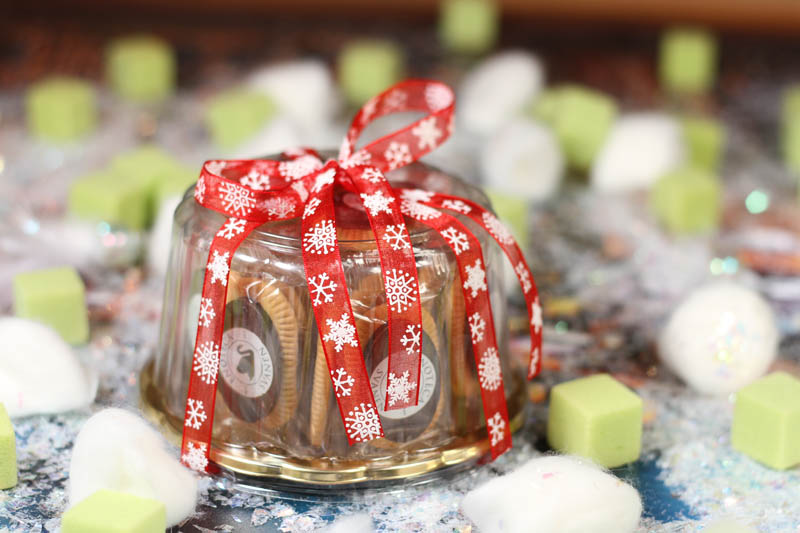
[427, 386]
[245, 363]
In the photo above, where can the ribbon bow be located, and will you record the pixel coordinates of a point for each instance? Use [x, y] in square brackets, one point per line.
[253, 192]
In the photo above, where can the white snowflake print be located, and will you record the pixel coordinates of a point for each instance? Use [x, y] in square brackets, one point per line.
[300, 189]
[361, 157]
[219, 268]
[397, 155]
[536, 315]
[236, 198]
[400, 293]
[196, 413]
[345, 149]
[456, 239]
[418, 211]
[362, 423]
[497, 429]
[323, 180]
[200, 190]
[411, 339]
[524, 276]
[399, 387]
[342, 382]
[427, 133]
[395, 100]
[297, 168]
[195, 458]
[489, 370]
[341, 332]
[368, 110]
[206, 362]
[280, 207]
[207, 313]
[437, 97]
[535, 356]
[311, 207]
[457, 205]
[476, 278]
[377, 203]
[322, 288]
[256, 180]
[497, 229]
[216, 167]
[232, 228]
[477, 325]
[395, 235]
[416, 195]
[372, 175]
[321, 239]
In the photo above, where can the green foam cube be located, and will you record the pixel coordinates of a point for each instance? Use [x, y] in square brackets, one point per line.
[581, 119]
[688, 200]
[688, 60]
[790, 126]
[8, 451]
[108, 511]
[56, 297]
[104, 196]
[156, 171]
[61, 109]
[236, 115]
[468, 26]
[766, 421]
[705, 139]
[596, 417]
[369, 67]
[141, 68]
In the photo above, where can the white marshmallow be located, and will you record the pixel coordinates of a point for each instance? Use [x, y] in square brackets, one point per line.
[161, 236]
[497, 89]
[554, 494]
[523, 158]
[117, 450]
[640, 148]
[39, 372]
[720, 338]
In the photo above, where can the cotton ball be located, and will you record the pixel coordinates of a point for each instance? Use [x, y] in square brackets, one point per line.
[39, 372]
[720, 338]
[523, 158]
[303, 90]
[278, 135]
[356, 523]
[161, 236]
[497, 89]
[117, 450]
[554, 494]
[640, 148]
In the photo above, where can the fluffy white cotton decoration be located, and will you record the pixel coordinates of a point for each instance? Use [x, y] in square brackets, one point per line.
[161, 236]
[39, 372]
[279, 135]
[640, 148]
[720, 338]
[523, 158]
[356, 523]
[554, 494]
[303, 90]
[117, 450]
[497, 89]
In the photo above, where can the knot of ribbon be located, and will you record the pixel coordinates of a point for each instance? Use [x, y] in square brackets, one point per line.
[254, 192]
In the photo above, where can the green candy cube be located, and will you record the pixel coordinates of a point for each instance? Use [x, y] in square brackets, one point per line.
[108, 511]
[157, 172]
[688, 200]
[236, 115]
[581, 119]
[61, 109]
[369, 67]
[596, 417]
[790, 126]
[766, 421]
[107, 197]
[175, 183]
[468, 26]
[705, 138]
[141, 68]
[56, 297]
[688, 61]
[8, 451]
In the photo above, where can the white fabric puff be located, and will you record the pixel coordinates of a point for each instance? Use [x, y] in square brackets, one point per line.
[161, 236]
[117, 450]
[356, 523]
[523, 158]
[39, 372]
[720, 338]
[497, 89]
[554, 494]
[640, 148]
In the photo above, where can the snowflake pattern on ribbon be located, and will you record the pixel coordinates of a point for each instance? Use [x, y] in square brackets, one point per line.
[256, 180]
[280, 207]
[342, 382]
[395, 236]
[534, 362]
[457, 205]
[231, 228]
[398, 388]
[321, 238]
[341, 332]
[489, 370]
[297, 168]
[477, 325]
[372, 175]
[206, 362]
[359, 158]
[416, 195]
[476, 278]
[196, 413]
[236, 198]
[536, 315]
[207, 313]
[323, 180]
[456, 239]
[437, 97]
[218, 266]
[195, 457]
[397, 155]
[411, 339]
[497, 428]
[200, 190]
[418, 210]
[400, 292]
[362, 423]
[427, 133]
[523, 276]
[322, 288]
[311, 207]
[497, 229]
[377, 203]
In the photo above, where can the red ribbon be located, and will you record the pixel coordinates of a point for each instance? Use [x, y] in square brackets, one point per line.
[253, 192]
